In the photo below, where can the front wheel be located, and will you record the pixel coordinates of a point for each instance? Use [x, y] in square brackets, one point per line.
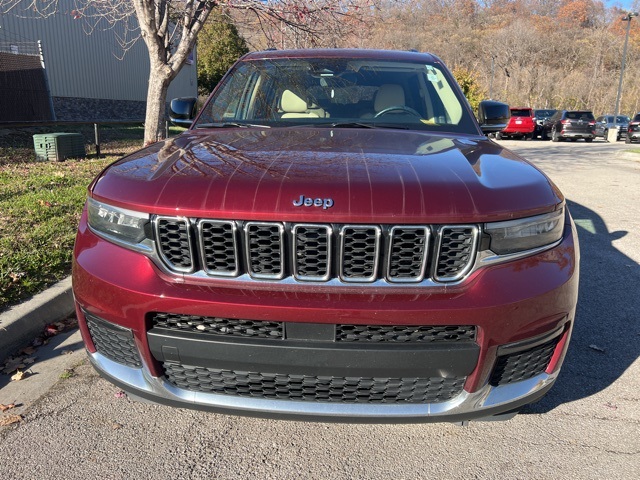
[628, 139]
[543, 135]
[498, 136]
[605, 135]
[554, 136]
[588, 140]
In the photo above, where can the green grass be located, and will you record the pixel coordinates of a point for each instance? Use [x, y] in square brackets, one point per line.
[41, 203]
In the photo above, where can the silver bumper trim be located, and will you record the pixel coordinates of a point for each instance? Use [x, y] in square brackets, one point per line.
[487, 401]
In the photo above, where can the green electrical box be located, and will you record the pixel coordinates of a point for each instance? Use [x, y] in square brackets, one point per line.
[58, 146]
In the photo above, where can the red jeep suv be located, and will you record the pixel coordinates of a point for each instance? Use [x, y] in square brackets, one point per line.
[333, 239]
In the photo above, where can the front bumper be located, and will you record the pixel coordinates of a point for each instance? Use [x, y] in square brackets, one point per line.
[488, 401]
[515, 306]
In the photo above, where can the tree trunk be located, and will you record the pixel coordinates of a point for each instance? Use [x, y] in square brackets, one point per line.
[159, 80]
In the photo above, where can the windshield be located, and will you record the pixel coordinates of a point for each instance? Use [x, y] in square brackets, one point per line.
[545, 113]
[351, 92]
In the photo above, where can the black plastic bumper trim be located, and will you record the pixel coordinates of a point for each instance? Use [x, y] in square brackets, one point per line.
[314, 358]
[530, 342]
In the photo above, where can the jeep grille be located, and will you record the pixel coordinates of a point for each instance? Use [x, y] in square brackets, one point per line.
[317, 252]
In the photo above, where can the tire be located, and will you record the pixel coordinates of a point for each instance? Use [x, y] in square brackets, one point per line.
[574, 139]
[498, 136]
[588, 140]
[543, 135]
[554, 136]
[529, 136]
[628, 139]
[605, 135]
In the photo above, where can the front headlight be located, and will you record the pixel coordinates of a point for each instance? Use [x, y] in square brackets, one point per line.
[117, 223]
[526, 233]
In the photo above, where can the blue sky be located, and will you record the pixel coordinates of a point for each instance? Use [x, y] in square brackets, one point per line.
[625, 4]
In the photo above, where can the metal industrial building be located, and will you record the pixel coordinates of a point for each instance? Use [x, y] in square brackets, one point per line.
[52, 70]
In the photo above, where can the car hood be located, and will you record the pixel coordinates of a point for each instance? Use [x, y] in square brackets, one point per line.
[350, 175]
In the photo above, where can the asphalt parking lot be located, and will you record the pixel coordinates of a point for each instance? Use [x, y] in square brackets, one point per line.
[586, 427]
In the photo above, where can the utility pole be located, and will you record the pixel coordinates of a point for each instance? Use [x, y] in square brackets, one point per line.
[627, 18]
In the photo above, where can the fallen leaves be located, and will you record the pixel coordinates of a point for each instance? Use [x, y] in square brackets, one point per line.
[25, 357]
[10, 419]
[4, 408]
[13, 364]
[120, 394]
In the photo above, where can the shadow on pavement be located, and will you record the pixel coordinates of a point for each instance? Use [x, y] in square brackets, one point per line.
[606, 335]
[54, 348]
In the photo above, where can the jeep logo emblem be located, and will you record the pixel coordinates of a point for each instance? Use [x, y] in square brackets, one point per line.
[310, 202]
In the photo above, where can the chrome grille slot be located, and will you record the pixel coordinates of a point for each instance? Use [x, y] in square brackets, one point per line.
[174, 243]
[359, 253]
[265, 250]
[455, 252]
[219, 248]
[408, 247]
[311, 252]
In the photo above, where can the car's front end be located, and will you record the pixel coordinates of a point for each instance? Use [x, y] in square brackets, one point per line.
[350, 271]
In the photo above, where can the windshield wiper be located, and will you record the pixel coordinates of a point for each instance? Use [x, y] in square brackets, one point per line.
[346, 125]
[359, 125]
[230, 124]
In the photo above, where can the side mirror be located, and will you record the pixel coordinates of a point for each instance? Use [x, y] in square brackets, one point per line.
[493, 116]
[182, 111]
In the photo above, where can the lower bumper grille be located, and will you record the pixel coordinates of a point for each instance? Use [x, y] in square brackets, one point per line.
[314, 388]
[114, 342]
[522, 365]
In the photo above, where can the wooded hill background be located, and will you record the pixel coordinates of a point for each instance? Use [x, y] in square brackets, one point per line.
[547, 53]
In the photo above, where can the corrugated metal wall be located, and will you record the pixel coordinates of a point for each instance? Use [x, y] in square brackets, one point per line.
[81, 65]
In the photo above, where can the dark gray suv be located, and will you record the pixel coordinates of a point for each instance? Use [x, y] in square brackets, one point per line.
[605, 122]
[571, 124]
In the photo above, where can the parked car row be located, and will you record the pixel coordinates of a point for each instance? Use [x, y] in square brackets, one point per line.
[558, 125]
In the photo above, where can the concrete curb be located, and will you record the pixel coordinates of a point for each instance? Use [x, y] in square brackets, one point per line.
[22, 323]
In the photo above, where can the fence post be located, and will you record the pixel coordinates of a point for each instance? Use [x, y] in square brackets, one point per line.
[97, 138]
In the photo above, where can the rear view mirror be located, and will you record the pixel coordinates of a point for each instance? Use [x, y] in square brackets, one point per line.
[493, 116]
[182, 111]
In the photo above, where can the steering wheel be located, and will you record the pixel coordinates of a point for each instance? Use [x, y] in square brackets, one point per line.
[402, 108]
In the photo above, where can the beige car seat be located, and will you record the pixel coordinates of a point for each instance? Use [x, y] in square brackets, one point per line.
[388, 95]
[295, 107]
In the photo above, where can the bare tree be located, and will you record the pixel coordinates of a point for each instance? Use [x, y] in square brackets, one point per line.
[169, 29]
